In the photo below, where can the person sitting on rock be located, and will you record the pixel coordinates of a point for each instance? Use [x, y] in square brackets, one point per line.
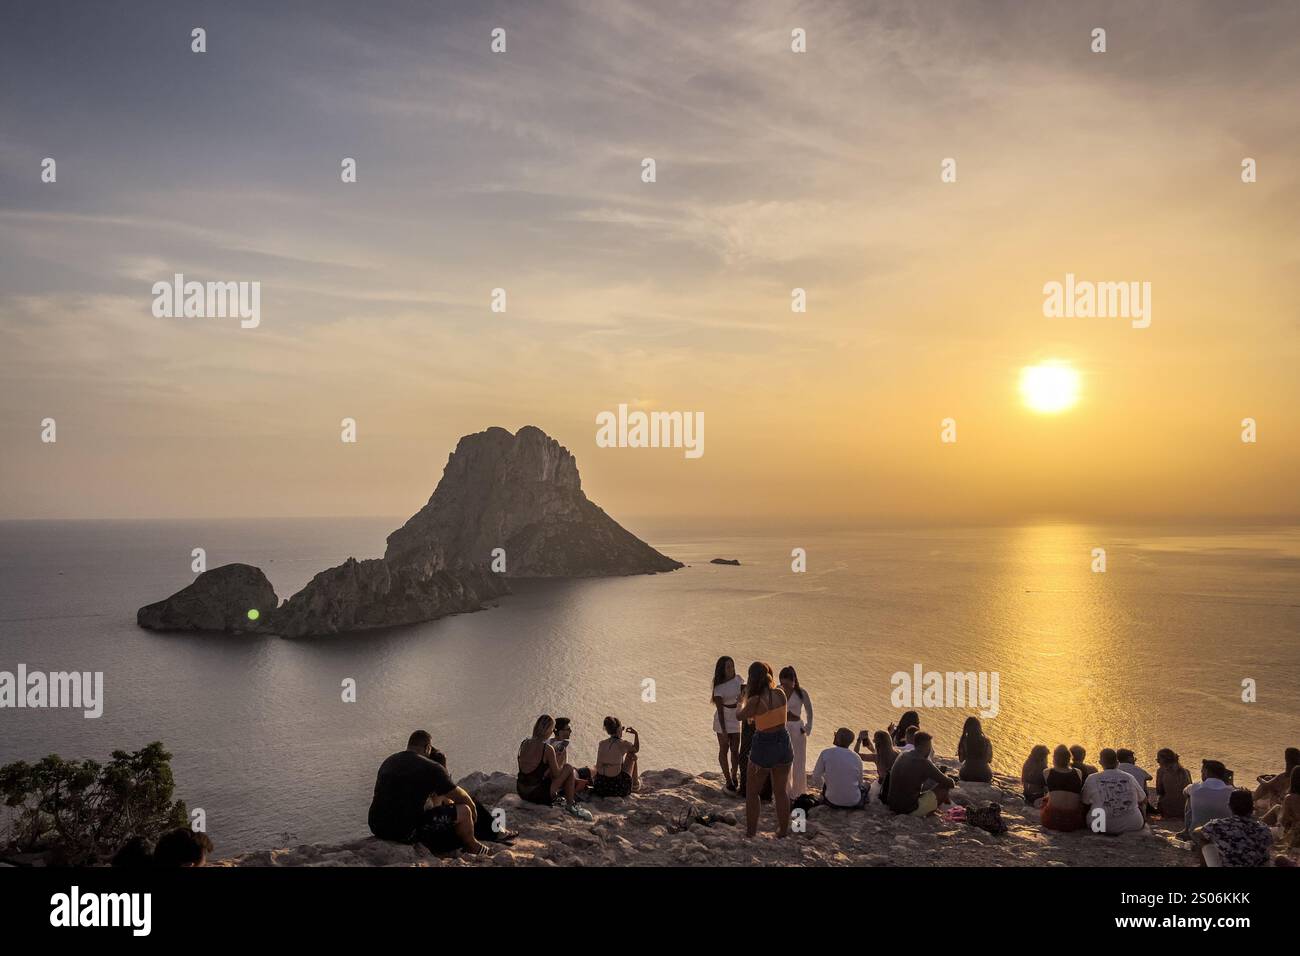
[1285, 817]
[1112, 799]
[563, 732]
[1273, 790]
[1128, 763]
[616, 771]
[899, 732]
[485, 827]
[1062, 807]
[975, 751]
[1238, 839]
[1033, 776]
[1172, 780]
[542, 778]
[1077, 755]
[838, 772]
[880, 751]
[400, 809]
[916, 785]
[182, 847]
[909, 739]
[1207, 800]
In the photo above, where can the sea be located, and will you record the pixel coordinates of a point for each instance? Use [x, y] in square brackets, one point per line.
[1189, 639]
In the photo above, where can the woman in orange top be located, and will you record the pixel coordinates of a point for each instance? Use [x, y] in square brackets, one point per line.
[770, 753]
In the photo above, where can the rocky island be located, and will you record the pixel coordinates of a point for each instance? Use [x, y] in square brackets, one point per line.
[508, 505]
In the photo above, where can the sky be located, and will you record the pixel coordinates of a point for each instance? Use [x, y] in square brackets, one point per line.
[775, 170]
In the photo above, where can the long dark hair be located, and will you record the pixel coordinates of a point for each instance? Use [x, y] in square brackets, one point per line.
[759, 679]
[788, 671]
[720, 672]
[909, 719]
[1035, 763]
[1061, 757]
[1295, 779]
[972, 739]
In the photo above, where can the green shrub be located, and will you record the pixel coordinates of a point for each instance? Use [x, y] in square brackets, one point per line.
[81, 812]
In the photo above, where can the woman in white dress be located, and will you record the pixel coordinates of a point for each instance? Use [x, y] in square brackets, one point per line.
[726, 693]
[797, 704]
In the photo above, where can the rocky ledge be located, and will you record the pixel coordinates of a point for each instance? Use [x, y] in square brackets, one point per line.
[645, 830]
[506, 506]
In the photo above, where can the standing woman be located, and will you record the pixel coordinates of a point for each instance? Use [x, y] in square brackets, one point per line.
[797, 702]
[770, 754]
[726, 697]
[975, 751]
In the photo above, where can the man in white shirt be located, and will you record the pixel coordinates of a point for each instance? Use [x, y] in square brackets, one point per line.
[1112, 798]
[1128, 763]
[841, 771]
[1207, 800]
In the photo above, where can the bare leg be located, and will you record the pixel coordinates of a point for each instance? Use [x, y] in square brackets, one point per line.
[733, 741]
[565, 782]
[781, 799]
[723, 746]
[629, 767]
[465, 828]
[753, 787]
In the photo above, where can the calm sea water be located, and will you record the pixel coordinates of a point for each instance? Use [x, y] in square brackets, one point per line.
[1152, 653]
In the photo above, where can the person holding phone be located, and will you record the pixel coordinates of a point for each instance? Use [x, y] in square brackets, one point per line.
[616, 765]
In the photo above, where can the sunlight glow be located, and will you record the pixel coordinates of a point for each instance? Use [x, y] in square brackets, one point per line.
[1049, 387]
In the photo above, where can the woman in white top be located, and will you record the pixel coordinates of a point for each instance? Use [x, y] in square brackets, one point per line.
[797, 704]
[726, 694]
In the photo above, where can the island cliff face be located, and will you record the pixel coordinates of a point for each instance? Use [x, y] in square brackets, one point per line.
[519, 493]
[218, 600]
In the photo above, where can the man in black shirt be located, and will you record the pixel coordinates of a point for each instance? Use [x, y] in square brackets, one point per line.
[916, 785]
[407, 782]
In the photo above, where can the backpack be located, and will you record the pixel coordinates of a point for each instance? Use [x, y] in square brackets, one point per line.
[987, 817]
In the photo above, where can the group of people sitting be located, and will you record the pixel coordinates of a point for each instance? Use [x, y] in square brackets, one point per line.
[415, 799]
[546, 776]
[1228, 826]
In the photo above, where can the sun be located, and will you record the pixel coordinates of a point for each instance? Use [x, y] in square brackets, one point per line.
[1049, 387]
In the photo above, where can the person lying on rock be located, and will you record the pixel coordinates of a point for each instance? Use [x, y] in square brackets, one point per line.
[416, 801]
[916, 785]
